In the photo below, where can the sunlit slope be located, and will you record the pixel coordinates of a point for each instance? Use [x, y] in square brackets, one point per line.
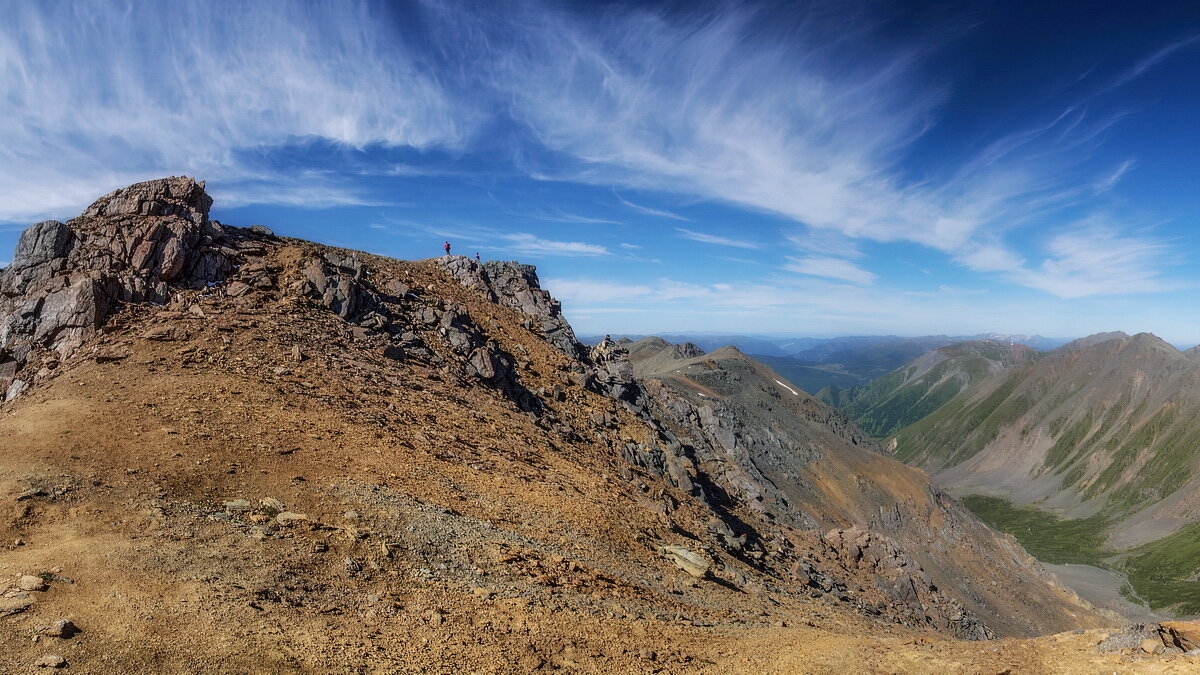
[1108, 426]
[927, 383]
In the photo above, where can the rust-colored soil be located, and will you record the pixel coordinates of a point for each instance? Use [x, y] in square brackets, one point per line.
[442, 530]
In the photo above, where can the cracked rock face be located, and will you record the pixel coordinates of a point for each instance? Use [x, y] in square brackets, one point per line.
[176, 196]
[514, 285]
[130, 246]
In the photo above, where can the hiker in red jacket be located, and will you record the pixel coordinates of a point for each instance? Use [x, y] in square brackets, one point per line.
[447, 247]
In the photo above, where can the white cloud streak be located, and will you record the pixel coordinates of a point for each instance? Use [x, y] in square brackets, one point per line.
[529, 244]
[833, 268]
[706, 238]
[651, 211]
[1109, 181]
[1149, 62]
[98, 95]
[826, 243]
[1095, 259]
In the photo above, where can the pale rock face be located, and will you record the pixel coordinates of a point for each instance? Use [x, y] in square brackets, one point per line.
[175, 196]
[687, 560]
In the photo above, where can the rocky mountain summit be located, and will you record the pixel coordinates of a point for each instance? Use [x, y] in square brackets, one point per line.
[260, 454]
[130, 246]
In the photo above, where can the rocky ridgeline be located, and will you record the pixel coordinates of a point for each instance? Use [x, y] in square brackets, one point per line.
[395, 317]
[516, 286]
[153, 243]
[138, 244]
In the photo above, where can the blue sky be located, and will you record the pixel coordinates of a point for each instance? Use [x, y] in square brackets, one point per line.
[801, 168]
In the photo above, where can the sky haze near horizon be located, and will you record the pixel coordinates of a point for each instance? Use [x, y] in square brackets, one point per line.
[804, 168]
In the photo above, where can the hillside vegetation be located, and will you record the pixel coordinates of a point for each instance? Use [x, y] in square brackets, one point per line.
[1103, 433]
[921, 387]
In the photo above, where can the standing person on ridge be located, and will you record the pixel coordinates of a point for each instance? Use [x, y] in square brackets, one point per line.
[476, 256]
[447, 247]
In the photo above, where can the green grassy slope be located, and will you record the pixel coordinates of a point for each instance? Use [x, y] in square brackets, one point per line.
[1047, 537]
[1163, 573]
[1111, 425]
[921, 387]
[1122, 420]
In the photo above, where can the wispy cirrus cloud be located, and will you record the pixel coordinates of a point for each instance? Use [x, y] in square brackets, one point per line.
[557, 216]
[1108, 181]
[726, 306]
[1150, 61]
[525, 243]
[1096, 259]
[832, 268]
[661, 213]
[471, 237]
[94, 100]
[309, 192]
[826, 243]
[706, 238]
[788, 123]
[588, 291]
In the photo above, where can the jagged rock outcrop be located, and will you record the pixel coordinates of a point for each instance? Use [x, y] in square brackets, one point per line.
[179, 196]
[337, 283]
[514, 285]
[130, 246]
[614, 371]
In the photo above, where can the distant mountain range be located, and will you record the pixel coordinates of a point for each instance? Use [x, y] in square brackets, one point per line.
[814, 364]
[925, 384]
[815, 347]
[1090, 451]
